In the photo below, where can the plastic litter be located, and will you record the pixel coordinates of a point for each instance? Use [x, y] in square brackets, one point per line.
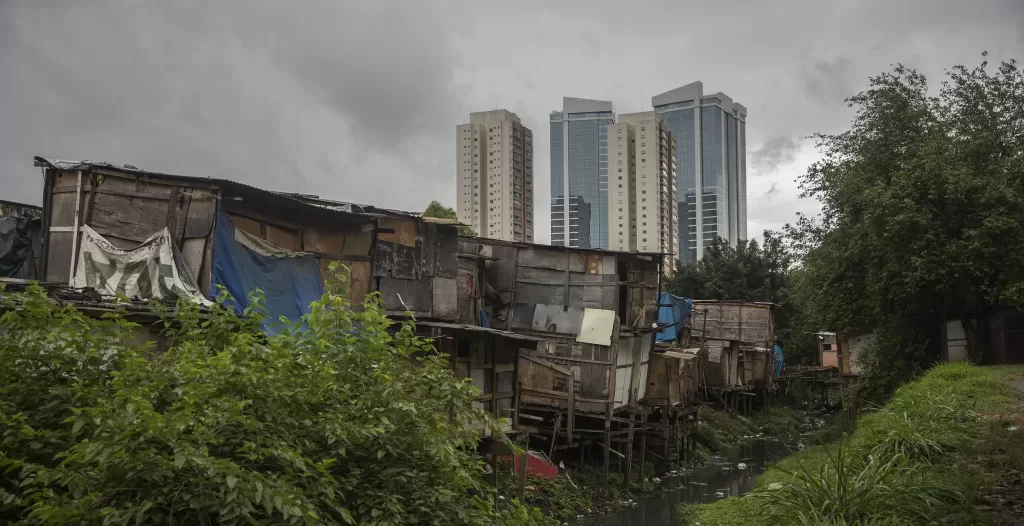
[741, 466]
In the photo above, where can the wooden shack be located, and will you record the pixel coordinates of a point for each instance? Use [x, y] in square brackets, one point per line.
[594, 308]
[410, 261]
[739, 337]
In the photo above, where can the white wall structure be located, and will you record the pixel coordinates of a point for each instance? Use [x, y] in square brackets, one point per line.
[494, 175]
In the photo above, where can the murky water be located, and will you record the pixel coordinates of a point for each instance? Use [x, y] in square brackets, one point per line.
[719, 479]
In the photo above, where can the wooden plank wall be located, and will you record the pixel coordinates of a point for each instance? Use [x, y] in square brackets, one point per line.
[127, 211]
[416, 268]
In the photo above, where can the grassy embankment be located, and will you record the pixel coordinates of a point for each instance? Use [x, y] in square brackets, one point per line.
[941, 451]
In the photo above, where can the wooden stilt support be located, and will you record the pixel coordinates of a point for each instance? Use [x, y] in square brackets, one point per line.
[554, 435]
[522, 468]
[607, 443]
[643, 445]
[628, 476]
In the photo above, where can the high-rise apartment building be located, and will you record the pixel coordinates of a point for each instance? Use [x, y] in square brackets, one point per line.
[494, 154]
[710, 133]
[579, 173]
[642, 209]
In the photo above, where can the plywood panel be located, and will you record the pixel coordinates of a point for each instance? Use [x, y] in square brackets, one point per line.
[404, 231]
[202, 210]
[323, 240]
[284, 238]
[58, 257]
[396, 261]
[541, 276]
[358, 274]
[445, 302]
[358, 244]
[133, 218]
[447, 250]
[192, 251]
[249, 226]
[62, 209]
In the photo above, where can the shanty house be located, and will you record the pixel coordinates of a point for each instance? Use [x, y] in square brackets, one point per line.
[147, 234]
[739, 337]
[594, 308]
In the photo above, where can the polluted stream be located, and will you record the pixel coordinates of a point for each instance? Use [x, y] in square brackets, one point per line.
[729, 475]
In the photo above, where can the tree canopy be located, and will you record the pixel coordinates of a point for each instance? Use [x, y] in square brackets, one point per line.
[922, 211]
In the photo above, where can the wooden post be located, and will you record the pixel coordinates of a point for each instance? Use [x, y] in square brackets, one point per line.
[522, 468]
[554, 435]
[607, 442]
[643, 444]
[628, 477]
[570, 424]
[666, 427]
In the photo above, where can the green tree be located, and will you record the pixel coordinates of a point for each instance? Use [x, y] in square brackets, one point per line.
[749, 271]
[922, 212]
[436, 209]
[350, 419]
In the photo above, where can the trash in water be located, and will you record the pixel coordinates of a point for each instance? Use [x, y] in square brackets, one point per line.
[1012, 428]
[656, 480]
[741, 466]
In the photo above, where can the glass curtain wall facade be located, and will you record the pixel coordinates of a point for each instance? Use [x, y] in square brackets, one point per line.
[579, 173]
[710, 137]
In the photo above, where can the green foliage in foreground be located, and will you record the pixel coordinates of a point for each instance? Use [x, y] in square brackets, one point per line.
[940, 443]
[348, 419]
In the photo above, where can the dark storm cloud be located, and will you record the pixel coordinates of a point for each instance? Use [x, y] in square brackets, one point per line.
[318, 99]
[773, 153]
[828, 81]
[359, 100]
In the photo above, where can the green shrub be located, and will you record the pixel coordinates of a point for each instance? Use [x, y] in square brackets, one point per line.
[346, 419]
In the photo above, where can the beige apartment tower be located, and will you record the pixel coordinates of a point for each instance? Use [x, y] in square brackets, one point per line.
[642, 210]
[494, 154]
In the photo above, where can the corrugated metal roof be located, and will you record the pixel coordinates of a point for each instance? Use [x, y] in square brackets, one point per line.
[223, 183]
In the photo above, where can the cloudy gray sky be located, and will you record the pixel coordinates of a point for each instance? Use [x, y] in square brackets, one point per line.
[358, 100]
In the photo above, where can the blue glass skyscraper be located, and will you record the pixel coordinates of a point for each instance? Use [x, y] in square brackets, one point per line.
[710, 132]
[579, 173]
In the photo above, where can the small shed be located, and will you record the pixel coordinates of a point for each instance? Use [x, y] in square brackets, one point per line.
[674, 378]
[740, 336]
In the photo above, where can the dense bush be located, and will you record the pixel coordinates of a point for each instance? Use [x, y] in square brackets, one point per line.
[345, 419]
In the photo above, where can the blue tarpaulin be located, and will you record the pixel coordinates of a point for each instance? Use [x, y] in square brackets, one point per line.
[243, 264]
[779, 358]
[672, 315]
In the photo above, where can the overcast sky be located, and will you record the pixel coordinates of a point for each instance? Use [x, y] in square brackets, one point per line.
[358, 101]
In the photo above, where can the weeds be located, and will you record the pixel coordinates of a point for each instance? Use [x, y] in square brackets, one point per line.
[855, 489]
[936, 447]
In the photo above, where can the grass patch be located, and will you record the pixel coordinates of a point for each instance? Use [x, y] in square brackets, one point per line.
[718, 429]
[941, 443]
[779, 421]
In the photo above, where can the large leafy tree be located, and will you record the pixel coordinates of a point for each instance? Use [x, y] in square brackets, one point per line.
[922, 210]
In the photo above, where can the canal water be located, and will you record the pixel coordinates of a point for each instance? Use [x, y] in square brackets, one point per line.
[720, 478]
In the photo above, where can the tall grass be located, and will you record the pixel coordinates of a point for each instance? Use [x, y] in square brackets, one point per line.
[855, 489]
[938, 444]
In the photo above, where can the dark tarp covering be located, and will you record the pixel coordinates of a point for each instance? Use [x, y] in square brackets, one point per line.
[672, 314]
[289, 284]
[17, 259]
